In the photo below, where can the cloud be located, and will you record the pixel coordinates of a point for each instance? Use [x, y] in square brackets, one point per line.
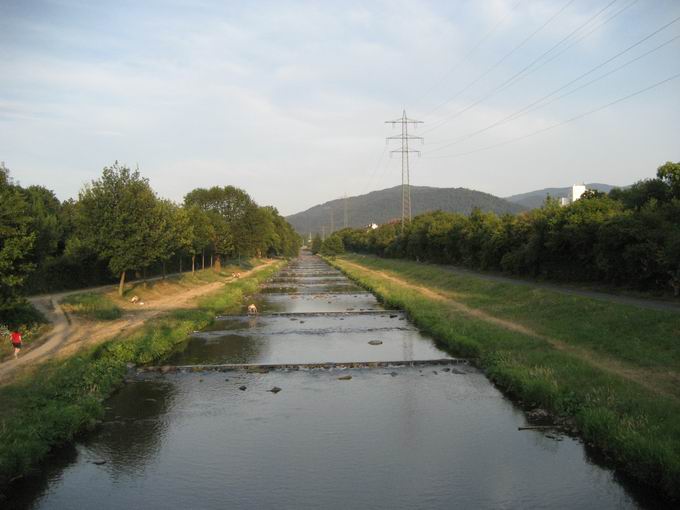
[287, 99]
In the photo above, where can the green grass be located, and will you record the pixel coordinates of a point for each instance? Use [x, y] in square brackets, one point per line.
[92, 305]
[638, 429]
[52, 404]
[641, 337]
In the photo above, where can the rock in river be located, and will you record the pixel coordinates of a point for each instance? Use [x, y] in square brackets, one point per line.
[275, 389]
[242, 388]
[375, 342]
[345, 378]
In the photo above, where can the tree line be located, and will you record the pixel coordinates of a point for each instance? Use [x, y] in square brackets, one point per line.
[119, 225]
[629, 237]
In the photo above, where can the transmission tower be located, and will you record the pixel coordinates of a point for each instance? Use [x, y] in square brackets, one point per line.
[345, 210]
[405, 178]
[330, 209]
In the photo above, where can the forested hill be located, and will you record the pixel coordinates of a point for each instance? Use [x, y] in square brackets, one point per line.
[385, 205]
[535, 199]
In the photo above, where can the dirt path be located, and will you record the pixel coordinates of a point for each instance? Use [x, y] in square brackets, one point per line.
[70, 333]
[656, 382]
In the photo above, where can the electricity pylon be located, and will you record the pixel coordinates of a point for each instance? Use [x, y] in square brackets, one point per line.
[405, 177]
[345, 210]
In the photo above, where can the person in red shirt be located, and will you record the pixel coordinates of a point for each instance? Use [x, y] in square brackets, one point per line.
[15, 338]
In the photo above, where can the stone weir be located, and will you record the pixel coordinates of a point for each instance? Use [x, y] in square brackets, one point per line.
[265, 367]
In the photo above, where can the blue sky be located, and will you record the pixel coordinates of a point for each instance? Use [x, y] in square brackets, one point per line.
[288, 99]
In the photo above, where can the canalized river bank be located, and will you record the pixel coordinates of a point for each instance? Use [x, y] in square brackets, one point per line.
[323, 400]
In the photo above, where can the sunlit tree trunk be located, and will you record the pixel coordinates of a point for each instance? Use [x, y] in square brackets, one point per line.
[193, 263]
[121, 285]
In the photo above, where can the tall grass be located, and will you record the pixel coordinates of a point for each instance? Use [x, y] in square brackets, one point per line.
[92, 305]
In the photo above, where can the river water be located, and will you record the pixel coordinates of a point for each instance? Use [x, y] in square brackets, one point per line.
[396, 437]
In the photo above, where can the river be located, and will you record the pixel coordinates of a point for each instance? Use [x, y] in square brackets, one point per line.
[393, 437]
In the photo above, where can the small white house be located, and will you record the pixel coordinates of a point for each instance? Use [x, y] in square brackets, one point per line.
[372, 226]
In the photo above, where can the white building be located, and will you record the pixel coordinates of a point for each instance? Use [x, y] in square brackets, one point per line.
[576, 191]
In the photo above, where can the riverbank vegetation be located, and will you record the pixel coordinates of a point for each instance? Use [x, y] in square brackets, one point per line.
[52, 404]
[612, 369]
[628, 238]
[92, 305]
[120, 228]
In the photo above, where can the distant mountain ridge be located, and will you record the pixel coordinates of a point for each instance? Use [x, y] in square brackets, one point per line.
[385, 205]
[535, 199]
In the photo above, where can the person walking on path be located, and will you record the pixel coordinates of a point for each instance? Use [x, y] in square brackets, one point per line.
[15, 338]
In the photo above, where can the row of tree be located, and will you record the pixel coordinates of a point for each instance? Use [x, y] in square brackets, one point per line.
[119, 225]
[630, 237]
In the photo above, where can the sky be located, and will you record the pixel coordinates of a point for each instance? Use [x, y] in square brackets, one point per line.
[288, 100]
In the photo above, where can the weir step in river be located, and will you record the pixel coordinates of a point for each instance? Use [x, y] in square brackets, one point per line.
[252, 413]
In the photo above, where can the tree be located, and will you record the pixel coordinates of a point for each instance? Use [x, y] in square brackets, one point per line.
[332, 246]
[316, 244]
[228, 207]
[16, 241]
[669, 173]
[116, 218]
[202, 233]
[171, 233]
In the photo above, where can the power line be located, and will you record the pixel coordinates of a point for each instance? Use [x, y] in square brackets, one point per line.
[562, 123]
[404, 137]
[468, 54]
[504, 57]
[535, 105]
[522, 71]
[374, 169]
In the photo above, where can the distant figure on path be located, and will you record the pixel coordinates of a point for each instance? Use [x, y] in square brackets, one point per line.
[15, 338]
[252, 309]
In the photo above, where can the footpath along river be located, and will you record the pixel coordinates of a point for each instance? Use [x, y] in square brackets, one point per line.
[392, 437]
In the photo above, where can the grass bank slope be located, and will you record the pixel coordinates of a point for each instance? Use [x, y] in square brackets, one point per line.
[65, 396]
[613, 368]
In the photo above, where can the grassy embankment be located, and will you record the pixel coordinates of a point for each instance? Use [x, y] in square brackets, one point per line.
[65, 396]
[614, 369]
[108, 306]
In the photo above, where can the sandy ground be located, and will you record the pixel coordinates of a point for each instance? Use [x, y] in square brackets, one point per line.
[70, 333]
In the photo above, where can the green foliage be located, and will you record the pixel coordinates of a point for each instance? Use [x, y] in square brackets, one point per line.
[17, 242]
[93, 305]
[630, 237]
[117, 218]
[316, 244]
[332, 246]
[240, 228]
[119, 225]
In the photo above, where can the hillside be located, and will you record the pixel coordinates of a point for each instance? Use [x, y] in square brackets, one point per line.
[535, 199]
[385, 205]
